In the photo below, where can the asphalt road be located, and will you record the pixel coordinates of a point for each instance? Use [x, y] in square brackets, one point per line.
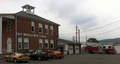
[76, 59]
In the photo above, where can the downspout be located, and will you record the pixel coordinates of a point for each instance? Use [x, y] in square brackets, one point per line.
[15, 33]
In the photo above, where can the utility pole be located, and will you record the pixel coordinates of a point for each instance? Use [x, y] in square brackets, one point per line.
[86, 40]
[76, 33]
[79, 34]
[73, 39]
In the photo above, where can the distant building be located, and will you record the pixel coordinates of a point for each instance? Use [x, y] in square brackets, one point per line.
[26, 32]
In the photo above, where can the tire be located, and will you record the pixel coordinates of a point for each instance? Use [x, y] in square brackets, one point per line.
[6, 59]
[39, 58]
[26, 61]
[15, 60]
[107, 52]
[60, 58]
[90, 51]
[46, 59]
[54, 57]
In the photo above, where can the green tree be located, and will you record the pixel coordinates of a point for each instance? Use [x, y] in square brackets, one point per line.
[93, 40]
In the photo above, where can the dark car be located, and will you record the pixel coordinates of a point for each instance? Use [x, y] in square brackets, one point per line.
[39, 55]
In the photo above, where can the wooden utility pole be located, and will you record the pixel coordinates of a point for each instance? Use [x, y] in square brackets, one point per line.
[86, 40]
[76, 33]
[79, 34]
[73, 39]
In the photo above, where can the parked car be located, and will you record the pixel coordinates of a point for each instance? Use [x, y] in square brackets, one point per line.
[56, 54]
[15, 57]
[39, 55]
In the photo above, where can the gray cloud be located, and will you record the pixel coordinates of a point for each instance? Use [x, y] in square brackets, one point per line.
[68, 11]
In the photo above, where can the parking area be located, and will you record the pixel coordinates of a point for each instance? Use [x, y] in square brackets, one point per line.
[76, 59]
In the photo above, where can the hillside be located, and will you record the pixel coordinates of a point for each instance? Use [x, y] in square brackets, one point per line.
[110, 40]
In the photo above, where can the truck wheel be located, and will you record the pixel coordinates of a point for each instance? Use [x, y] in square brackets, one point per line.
[107, 52]
[91, 52]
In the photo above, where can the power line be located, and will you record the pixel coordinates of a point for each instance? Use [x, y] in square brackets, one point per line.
[100, 27]
[105, 32]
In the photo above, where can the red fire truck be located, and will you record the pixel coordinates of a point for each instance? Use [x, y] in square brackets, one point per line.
[100, 49]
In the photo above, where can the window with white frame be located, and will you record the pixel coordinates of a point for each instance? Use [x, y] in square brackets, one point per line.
[46, 29]
[46, 43]
[32, 26]
[40, 28]
[26, 43]
[52, 43]
[19, 42]
[51, 30]
[40, 43]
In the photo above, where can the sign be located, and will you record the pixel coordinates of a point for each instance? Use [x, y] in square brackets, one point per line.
[31, 35]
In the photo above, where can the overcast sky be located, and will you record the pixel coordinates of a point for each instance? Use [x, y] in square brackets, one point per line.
[93, 17]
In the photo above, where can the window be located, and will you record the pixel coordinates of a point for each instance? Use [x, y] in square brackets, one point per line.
[12, 54]
[9, 25]
[40, 28]
[51, 30]
[32, 26]
[46, 43]
[26, 43]
[46, 29]
[40, 43]
[109, 47]
[52, 44]
[104, 47]
[19, 43]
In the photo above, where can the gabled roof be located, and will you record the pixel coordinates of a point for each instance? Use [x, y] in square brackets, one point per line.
[32, 16]
[67, 42]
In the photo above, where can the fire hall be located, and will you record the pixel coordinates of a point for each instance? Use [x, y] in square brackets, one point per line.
[25, 32]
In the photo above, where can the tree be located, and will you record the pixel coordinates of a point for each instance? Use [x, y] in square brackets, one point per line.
[93, 40]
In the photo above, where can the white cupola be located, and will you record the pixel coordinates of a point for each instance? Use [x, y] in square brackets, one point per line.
[28, 8]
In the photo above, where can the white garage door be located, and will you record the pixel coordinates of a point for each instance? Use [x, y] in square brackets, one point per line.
[117, 48]
[77, 49]
[70, 48]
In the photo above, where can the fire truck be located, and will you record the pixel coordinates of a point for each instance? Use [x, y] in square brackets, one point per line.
[100, 49]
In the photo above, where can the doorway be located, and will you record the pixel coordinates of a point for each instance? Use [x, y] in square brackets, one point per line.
[9, 45]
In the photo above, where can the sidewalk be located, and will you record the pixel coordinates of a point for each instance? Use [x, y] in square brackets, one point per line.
[2, 56]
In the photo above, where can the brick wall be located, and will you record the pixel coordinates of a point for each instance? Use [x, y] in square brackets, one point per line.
[24, 26]
[6, 34]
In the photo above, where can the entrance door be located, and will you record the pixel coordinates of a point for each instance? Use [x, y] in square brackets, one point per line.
[9, 45]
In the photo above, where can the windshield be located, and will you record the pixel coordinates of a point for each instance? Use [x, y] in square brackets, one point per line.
[20, 54]
[58, 51]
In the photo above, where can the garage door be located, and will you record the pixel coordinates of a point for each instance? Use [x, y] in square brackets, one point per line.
[70, 48]
[77, 49]
[117, 48]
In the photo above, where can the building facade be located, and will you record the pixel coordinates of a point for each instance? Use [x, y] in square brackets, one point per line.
[69, 47]
[26, 32]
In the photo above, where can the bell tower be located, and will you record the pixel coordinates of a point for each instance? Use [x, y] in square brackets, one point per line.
[28, 8]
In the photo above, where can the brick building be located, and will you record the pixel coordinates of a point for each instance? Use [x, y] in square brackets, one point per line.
[25, 32]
